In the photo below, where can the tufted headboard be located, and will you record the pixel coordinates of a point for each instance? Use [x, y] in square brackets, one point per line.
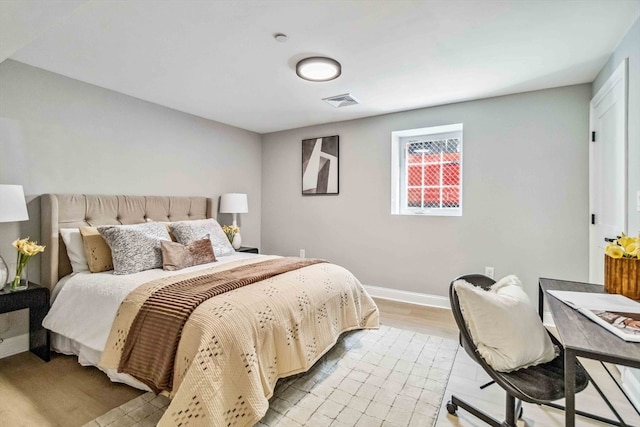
[76, 210]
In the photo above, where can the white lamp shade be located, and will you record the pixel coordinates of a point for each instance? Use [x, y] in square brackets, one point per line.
[234, 203]
[13, 206]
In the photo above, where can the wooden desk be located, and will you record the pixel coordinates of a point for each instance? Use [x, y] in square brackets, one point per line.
[583, 337]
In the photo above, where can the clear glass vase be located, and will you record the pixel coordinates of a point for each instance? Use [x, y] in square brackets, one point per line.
[20, 282]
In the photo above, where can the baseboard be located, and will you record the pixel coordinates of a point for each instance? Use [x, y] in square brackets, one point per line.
[14, 345]
[408, 297]
[426, 299]
[631, 385]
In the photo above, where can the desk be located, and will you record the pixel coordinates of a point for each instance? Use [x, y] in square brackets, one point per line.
[583, 337]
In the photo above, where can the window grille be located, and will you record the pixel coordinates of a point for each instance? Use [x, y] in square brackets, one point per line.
[427, 174]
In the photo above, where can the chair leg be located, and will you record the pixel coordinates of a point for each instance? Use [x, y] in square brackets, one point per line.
[483, 386]
[454, 403]
[510, 416]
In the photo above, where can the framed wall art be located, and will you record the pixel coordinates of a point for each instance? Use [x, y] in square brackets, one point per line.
[320, 171]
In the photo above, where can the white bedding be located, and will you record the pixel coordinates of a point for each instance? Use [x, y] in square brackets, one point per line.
[85, 304]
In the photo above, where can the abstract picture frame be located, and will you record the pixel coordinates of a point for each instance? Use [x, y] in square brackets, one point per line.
[321, 166]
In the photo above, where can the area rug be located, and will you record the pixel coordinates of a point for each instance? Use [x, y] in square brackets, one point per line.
[385, 377]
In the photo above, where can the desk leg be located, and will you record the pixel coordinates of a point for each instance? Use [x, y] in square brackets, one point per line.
[541, 303]
[570, 387]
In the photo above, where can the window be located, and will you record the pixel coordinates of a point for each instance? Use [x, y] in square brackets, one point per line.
[426, 172]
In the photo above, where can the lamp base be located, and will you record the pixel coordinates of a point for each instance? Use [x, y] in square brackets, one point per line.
[237, 241]
[4, 273]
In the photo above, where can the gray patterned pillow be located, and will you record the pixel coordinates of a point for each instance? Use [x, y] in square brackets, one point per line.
[136, 247]
[186, 232]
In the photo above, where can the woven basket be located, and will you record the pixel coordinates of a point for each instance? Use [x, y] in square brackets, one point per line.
[622, 276]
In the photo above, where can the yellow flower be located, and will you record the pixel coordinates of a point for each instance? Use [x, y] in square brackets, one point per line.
[624, 247]
[27, 247]
[632, 249]
[32, 248]
[625, 240]
[230, 231]
[614, 251]
[19, 243]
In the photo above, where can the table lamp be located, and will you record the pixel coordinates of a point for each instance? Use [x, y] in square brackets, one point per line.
[234, 203]
[13, 208]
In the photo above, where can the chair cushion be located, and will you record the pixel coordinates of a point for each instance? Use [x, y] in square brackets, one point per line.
[504, 326]
[545, 382]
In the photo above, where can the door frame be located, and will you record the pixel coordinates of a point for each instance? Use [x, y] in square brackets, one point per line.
[619, 75]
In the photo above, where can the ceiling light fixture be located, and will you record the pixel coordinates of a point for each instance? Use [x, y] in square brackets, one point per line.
[318, 69]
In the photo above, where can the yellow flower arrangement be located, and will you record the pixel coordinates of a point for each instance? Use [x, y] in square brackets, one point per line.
[624, 247]
[26, 249]
[230, 231]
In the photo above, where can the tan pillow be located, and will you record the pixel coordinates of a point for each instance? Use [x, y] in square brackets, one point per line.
[96, 250]
[176, 256]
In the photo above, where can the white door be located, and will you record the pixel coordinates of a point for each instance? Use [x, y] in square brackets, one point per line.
[607, 168]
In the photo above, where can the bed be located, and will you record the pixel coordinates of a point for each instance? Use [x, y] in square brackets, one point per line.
[231, 349]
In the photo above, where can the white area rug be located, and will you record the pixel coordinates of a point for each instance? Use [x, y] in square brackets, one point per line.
[385, 377]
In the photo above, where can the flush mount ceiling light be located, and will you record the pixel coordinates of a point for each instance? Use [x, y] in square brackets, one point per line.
[318, 69]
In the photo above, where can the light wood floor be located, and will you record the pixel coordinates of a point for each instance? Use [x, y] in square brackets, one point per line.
[63, 393]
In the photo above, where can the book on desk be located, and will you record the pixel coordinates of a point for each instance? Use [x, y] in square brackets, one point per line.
[616, 313]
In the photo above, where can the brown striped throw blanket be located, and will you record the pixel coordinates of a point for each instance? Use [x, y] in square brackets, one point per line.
[220, 363]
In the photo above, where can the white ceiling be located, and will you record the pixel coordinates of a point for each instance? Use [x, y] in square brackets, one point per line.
[218, 59]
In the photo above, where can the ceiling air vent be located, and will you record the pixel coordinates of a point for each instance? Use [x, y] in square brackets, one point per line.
[341, 100]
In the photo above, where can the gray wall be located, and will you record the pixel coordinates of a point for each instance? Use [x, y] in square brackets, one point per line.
[59, 135]
[525, 177]
[629, 47]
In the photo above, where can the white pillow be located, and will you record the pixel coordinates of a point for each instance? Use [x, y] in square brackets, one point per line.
[75, 249]
[187, 232]
[511, 286]
[504, 326]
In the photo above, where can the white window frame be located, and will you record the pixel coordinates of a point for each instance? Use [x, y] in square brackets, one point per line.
[399, 140]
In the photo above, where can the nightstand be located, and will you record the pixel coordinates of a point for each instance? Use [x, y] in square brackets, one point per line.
[247, 249]
[36, 299]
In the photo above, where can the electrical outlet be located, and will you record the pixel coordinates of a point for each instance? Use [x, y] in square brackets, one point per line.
[302, 253]
[488, 271]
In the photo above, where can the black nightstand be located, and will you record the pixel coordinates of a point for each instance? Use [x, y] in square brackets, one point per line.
[36, 299]
[247, 249]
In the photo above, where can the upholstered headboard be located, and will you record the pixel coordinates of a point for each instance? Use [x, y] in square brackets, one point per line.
[76, 210]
